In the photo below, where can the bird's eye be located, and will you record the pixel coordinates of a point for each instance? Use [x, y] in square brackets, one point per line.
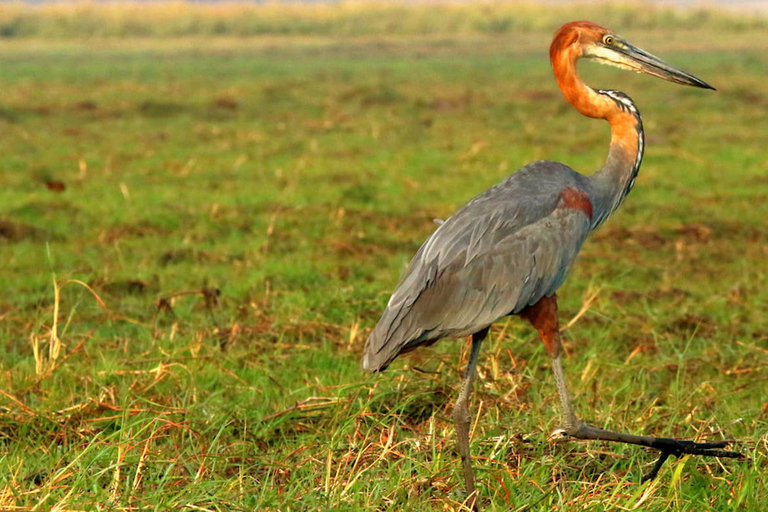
[608, 40]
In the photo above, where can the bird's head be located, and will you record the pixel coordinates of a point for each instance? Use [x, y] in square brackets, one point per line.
[589, 40]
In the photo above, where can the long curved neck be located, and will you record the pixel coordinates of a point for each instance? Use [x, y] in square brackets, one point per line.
[615, 179]
[611, 184]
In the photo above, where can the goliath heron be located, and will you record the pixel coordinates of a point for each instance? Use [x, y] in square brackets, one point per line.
[508, 250]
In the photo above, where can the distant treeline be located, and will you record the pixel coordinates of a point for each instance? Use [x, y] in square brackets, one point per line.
[351, 18]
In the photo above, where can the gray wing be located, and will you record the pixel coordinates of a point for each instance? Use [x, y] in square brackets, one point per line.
[502, 252]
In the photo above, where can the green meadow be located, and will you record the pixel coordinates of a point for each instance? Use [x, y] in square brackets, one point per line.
[198, 230]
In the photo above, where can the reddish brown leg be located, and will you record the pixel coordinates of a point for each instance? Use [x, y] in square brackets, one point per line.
[543, 316]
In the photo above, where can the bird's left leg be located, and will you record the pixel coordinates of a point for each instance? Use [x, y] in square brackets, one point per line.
[462, 418]
[543, 316]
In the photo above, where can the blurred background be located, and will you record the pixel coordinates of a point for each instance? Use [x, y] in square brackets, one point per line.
[205, 205]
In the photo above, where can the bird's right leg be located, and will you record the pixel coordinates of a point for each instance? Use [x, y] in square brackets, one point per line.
[543, 316]
[462, 418]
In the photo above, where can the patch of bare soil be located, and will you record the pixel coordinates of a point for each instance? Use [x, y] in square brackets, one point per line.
[130, 231]
[16, 232]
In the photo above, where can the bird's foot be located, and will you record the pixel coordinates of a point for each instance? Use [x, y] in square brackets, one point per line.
[679, 447]
[665, 445]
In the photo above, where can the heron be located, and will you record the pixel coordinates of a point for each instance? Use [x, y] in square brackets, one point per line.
[508, 250]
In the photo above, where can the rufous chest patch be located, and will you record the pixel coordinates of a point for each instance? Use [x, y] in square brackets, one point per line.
[577, 200]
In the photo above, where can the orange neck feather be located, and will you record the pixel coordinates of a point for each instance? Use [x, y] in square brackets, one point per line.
[612, 182]
[564, 53]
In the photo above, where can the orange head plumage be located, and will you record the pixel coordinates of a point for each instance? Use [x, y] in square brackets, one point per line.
[586, 39]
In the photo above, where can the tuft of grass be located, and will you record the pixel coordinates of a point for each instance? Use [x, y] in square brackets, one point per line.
[225, 219]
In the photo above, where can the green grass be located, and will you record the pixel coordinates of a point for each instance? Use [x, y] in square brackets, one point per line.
[296, 178]
[174, 18]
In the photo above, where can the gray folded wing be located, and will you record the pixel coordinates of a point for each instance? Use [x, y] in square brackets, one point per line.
[501, 253]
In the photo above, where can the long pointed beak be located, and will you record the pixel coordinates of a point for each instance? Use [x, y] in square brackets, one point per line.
[644, 62]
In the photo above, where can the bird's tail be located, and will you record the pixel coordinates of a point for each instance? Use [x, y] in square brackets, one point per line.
[393, 335]
[386, 340]
[372, 360]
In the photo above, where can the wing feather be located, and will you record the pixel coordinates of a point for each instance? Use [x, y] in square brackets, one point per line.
[502, 252]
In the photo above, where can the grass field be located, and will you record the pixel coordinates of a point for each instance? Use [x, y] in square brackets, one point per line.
[78, 19]
[197, 235]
